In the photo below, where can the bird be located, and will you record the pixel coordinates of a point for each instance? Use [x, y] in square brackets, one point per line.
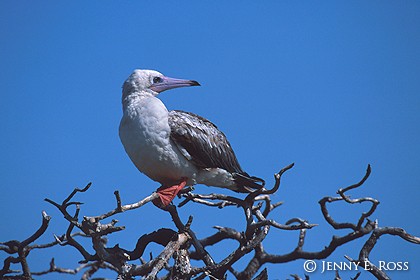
[176, 148]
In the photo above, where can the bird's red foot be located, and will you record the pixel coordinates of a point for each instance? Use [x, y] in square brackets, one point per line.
[167, 194]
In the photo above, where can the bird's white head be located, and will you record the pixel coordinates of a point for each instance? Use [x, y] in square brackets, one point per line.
[150, 82]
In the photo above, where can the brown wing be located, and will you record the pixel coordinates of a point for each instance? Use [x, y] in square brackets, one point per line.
[204, 142]
[200, 141]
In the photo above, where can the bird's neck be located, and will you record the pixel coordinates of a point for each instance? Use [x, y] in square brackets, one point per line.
[143, 106]
[134, 98]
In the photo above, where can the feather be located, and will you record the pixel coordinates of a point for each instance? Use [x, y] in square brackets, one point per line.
[200, 141]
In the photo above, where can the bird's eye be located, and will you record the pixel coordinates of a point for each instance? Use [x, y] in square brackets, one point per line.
[157, 80]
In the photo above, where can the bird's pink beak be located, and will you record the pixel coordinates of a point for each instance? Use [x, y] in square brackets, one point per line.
[169, 83]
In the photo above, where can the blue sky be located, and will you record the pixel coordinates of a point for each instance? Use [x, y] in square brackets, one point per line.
[331, 86]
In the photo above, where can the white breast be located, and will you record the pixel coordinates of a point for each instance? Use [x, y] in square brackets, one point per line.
[145, 134]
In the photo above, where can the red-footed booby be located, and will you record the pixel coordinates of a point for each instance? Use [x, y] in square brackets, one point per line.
[176, 148]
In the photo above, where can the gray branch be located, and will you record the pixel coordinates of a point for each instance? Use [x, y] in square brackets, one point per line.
[183, 245]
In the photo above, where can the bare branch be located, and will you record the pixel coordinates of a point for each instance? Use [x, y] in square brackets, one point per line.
[363, 260]
[22, 249]
[184, 245]
[346, 198]
[120, 209]
[169, 250]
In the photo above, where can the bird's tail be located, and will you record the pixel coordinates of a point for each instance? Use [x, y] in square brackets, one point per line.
[246, 183]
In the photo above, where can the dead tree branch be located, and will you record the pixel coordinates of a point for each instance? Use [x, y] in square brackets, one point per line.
[183, 245]
[22, 249]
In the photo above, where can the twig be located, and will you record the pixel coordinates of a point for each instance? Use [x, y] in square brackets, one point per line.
[22, 249]
[169, 250]
[123, 208]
